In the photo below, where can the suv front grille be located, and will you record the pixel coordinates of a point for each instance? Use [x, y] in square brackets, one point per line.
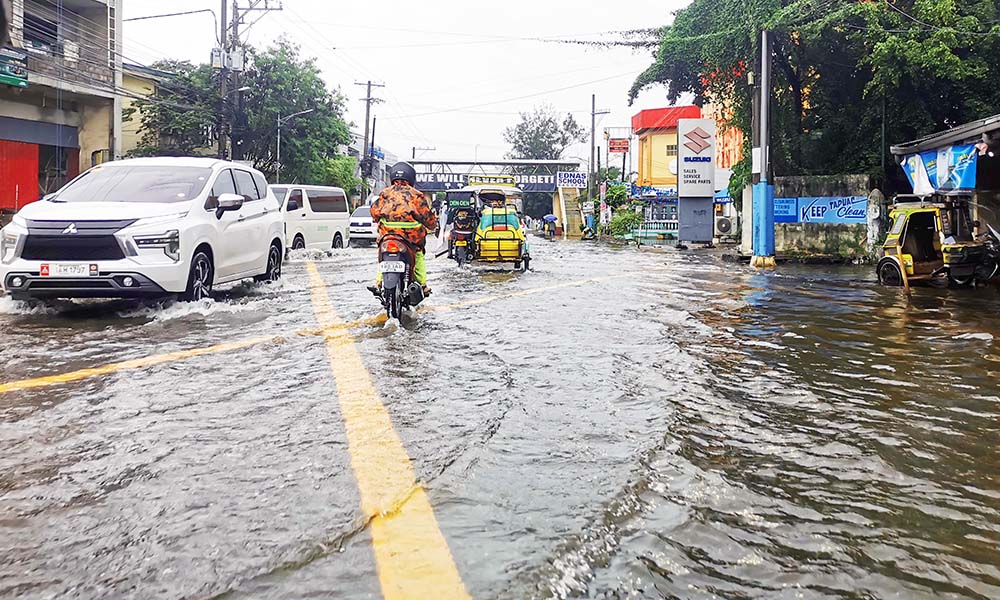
[71, 248]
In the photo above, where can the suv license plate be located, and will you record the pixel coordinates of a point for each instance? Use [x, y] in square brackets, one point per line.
[392, 267]
[77, 270]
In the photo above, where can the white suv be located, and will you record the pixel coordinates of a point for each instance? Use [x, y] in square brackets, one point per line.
[145, 227]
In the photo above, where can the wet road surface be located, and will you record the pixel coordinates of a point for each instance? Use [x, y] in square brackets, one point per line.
[613, 424]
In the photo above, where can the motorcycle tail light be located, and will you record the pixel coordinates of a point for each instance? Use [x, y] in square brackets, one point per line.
[392, 246]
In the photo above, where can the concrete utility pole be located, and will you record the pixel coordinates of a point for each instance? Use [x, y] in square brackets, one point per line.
[592, 180]
[763, 193]
[223, 78]
[368, 113]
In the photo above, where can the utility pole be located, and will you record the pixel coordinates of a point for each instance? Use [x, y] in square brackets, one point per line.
[592, 180]
[223, 78]
[366, 153]
[238, 100]
[763, 192]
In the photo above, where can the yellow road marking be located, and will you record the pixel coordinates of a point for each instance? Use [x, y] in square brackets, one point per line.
[159, 359]
[411, 553]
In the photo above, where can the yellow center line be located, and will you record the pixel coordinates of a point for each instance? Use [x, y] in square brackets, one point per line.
[159, 359]
[411, 553]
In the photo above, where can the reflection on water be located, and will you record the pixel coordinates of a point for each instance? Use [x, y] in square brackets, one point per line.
[698, 429]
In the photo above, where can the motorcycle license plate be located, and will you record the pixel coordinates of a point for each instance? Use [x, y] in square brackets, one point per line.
[461, 243]
[392, 267]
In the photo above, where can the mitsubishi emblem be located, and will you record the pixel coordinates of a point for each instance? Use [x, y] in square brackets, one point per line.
[71, 230]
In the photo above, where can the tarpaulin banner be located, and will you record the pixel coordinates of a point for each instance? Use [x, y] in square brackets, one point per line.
[441, 182]
[786, 210]
[947, 169]
[839, 209]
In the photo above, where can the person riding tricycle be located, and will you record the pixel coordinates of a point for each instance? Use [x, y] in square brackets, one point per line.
[499, 236]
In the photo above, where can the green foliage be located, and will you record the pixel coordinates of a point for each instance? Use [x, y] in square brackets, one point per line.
[624, 221]
[341, 172]
[541, 136]
[617, 196]
[182, 117]
[838, 67]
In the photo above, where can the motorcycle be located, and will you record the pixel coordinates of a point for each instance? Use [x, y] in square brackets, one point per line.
[462, 239]
[399, 290]
[990, 266]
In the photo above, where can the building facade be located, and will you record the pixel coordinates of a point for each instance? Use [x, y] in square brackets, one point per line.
[60, 107]
[657, 133]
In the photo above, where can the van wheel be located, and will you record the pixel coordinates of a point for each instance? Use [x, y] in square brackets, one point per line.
[889, 273]
[338, 242]
[299, 243]
[200, 278]
[273, 272]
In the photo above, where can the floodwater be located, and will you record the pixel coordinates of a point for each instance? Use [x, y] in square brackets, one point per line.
[614, 424]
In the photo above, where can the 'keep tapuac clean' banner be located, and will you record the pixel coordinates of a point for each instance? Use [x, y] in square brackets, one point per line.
[850, 210]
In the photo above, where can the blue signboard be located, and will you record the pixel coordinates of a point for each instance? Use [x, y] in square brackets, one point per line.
[845, 209]
[947, 169]
[786, 210]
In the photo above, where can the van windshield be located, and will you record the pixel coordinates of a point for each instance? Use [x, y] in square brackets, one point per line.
[146, 183]
[280, 194]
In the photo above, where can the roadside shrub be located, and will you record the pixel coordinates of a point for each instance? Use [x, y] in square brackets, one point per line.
[624, 222]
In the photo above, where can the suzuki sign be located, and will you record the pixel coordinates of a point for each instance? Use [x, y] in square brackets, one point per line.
[696, 158]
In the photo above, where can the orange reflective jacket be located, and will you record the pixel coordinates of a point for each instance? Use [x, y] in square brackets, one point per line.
[403, 210]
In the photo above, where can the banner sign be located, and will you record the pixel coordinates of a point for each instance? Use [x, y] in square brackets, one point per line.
[786, 210]
[849, 210]
[618, 145]
[442, 182]
[505, 180]
[13, 68]
[946, 169]
[696, 158]
[571, 179]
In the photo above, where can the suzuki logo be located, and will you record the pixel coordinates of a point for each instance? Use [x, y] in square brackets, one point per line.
[71, 230]
[698, 140]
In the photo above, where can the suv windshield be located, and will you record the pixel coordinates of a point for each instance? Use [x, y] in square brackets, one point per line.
[154, 184]
[364, 211]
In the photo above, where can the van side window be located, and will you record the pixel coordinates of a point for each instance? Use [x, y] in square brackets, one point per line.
[224, 184]
[245, 186]
[328, 201]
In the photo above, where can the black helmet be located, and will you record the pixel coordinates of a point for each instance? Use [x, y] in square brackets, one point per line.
[403, 171]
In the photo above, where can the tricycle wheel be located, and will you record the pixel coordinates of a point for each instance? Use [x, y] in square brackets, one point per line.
[889, 273]
[965, 281]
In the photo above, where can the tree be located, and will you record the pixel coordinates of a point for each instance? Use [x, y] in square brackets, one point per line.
[840, 69]
[341, 172]
[283, 83]
[182, 116]
[541, 136]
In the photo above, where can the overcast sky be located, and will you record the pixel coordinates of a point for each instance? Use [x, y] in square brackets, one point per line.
[455, 73]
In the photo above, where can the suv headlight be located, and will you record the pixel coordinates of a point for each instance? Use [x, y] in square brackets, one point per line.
[8, 245]
[169, 241]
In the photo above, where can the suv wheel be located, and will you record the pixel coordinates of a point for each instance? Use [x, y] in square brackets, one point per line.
[273, 272]
[200, 278]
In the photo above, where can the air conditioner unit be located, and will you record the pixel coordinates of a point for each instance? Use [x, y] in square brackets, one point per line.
[724, 227]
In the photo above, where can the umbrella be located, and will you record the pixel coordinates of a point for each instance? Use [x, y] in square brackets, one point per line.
[550, 218]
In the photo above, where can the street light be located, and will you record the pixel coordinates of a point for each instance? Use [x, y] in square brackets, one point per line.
[282, 121]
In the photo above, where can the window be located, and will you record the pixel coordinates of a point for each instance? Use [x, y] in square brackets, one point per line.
[136, 184]
[245, 185]
[296, 196]
[328, 201]
[671, 149]
[223, 184]
[261, 184]
[280, 193]
[41, 34]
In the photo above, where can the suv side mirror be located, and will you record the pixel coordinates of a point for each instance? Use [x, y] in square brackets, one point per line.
[228, 202]
[49, 196]
[292, 205]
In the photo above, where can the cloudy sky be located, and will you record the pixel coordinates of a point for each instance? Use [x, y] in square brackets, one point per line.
[456, 73]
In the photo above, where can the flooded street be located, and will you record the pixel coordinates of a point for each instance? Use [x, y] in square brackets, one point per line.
[613, 424]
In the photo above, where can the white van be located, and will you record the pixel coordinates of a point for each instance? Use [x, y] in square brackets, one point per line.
[315, 216]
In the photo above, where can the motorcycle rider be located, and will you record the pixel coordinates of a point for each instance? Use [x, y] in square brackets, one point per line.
[401, 209]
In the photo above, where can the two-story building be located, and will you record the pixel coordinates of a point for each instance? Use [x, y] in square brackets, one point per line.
[60, 102]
